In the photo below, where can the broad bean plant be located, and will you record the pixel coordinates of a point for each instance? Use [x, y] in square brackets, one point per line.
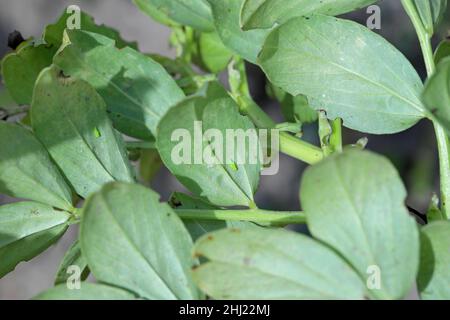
[88, 119]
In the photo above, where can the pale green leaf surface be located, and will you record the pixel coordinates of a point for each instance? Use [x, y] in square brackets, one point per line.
[215, 56]
[354, 202]
[258, 263]
[224, 183]
[132, 241]
[434, 273]
[346, 70]
[20, 70]
[256, 14]
[136, 89]
[26, 170]
[193, 13]
[27, 229]
[69, 118]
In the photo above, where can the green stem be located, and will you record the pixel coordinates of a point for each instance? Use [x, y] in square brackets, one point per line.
[289, 144]
[336, 135]
[299, 149]
[441, 136]
[133, 145]
[251, 215]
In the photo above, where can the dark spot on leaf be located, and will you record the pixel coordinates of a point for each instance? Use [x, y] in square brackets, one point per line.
[196, 255]
[62, 75]
[210, 238]
[247, 261]
[235, 230]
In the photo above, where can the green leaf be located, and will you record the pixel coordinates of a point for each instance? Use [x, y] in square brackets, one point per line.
[137, 90]
[69, 118]
[193, 13]
[149, 8]
[431, 12]
[436, 95]
[354, 202]
[347, 70]
[8, 106]
[214, 55]
[26, 170]
[272, 264]
[257, 14]
[53, 33]
[442, 51]
[26, 230]
[132, 241]
[6, 101]
[247, 44]
[20, 69]
[73, 257]
[434, 277]
[87, 291]
[222, 181]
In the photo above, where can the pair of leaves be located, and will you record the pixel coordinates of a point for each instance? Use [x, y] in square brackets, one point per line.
[27, 229]
[193, 13]
[136, 89]
[20, 69]
[346, 70]
[182, 145]
[272, 264]
[133, 242]
[346, 210]
[69, 118]
[230, 15]
[263, 14]
[431, 12]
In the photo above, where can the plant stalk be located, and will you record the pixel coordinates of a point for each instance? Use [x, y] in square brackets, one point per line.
[441, 136]
[290, 145]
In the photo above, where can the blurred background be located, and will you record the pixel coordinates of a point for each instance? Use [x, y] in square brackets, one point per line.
[413, 152]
